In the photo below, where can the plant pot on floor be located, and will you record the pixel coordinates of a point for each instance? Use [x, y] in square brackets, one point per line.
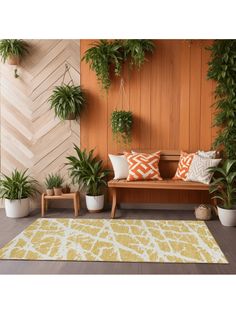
[49, 192]
[17, 208]
[94, 203]
[57, 191]
[227, 216]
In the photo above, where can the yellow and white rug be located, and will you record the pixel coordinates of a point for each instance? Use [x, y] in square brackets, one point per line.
[166, 241]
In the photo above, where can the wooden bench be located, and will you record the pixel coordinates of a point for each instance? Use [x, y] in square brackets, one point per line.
[168, 165]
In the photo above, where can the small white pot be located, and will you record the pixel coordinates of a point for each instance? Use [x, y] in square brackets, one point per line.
[227, 216]
[94, 203]
[17, 208]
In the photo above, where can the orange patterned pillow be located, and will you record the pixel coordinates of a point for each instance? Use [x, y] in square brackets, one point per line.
[183, 166]
[143, 166]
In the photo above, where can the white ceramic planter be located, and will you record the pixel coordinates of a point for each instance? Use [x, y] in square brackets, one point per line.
[17, 208]
[94, 203]
[227, 216]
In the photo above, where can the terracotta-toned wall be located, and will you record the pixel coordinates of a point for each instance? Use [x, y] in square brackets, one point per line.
[171, 100]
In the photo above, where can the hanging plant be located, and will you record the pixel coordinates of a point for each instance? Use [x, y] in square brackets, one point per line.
[105, 56]
[222, 69]
[67, 101]
[136, 49]
[101, 56]
[121, 123]
[12, 50]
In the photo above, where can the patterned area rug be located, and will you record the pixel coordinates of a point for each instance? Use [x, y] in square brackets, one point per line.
[166, 241]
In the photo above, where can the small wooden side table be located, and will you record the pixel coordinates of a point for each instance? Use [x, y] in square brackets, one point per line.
[65, 196]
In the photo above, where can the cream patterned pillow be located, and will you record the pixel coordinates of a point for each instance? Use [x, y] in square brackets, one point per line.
[198, 170]
[208, 154]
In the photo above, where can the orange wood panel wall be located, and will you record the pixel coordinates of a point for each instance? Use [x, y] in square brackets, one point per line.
[171, 100]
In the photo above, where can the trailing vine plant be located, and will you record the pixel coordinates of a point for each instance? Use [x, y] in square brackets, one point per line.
[222, 69]
[121, 123]
[107, 56]
[101, 56]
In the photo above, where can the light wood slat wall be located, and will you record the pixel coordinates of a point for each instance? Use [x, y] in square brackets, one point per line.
[30, 135]
[171, 100]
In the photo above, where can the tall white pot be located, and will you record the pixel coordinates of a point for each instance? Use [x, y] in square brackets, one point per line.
[227, 216]
[94, 203]
[17, 208]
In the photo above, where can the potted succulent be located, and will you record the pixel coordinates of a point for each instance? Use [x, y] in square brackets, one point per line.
[12, 50]
[57, 184]
[88, 172]
[49, 183]
[121, 123]
[67, 100]
[16, 189]
[223, 188]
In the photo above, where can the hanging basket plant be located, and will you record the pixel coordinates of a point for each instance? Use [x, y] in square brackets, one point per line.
[67, 101]
[136, 50]
[102, 56]
[222, 69]
[12, 51]
[121, 123]
[105, 56]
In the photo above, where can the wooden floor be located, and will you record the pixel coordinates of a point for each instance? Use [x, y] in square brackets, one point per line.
[225, 237]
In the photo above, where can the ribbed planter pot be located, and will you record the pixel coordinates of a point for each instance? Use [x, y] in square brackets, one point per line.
[70, 117]
[17, 208]
[227, 216]
[94, 203]
[50, 192]
[13, 60]
[57, 191]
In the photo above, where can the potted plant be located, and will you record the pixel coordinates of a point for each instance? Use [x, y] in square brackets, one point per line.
[121, 123]
[16, 189]
[49, 183]
[88, 172]
[103, 57]
[57, 184]
[136, 49]
[223, 188]
[12, 50]
[66, 189]
[67, 101]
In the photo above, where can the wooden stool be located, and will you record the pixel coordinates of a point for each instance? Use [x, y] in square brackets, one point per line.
[65, 196]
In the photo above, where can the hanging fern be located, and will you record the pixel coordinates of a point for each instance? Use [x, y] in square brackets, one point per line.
[222, 69]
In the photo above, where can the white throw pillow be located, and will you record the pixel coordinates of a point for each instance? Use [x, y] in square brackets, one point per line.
[120, 166]
[198, 170]
[210, 154]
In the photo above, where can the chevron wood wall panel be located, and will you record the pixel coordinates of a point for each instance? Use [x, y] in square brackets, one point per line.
[31, 137]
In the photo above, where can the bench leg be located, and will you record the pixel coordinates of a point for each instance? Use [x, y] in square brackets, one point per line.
[114, 199]
[76, 205]
[42, 205]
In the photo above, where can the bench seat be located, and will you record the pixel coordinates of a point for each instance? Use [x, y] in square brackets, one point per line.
[166, 184]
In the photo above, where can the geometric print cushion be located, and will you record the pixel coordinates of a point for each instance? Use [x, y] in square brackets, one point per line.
[183, 166]
[143, 166]
[198, 170]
